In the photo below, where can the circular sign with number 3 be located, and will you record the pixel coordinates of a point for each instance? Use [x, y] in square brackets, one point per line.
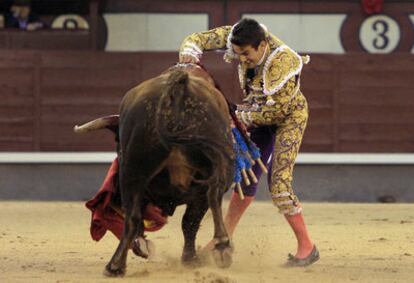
[379, 34]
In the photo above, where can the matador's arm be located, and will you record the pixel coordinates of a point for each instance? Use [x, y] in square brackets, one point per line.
[195, 44]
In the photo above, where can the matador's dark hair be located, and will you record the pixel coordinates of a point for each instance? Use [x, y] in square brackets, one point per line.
[247, 32]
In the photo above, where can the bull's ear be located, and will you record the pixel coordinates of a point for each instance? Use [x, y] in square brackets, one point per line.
[110, 122]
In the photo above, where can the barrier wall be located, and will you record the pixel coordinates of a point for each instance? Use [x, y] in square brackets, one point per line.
[358, 102]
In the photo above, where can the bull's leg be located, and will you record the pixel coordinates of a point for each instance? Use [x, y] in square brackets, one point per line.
[193, 215]
[222, 250]
[133, 226]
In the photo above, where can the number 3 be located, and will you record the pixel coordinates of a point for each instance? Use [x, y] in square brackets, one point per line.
[381, 41]
[379, 34]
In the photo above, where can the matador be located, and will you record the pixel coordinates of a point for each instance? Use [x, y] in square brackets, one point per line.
[274, 110]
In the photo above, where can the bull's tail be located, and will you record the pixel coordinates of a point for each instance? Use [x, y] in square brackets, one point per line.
[175, 127]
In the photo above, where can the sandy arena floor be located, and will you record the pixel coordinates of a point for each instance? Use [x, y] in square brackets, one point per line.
[50, 242]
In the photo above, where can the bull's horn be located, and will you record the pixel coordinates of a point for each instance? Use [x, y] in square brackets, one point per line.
[100, 123]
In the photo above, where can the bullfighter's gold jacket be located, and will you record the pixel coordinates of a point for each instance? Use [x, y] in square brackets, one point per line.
[273, 92]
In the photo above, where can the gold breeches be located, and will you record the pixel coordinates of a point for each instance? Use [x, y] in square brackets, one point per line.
[288, 139]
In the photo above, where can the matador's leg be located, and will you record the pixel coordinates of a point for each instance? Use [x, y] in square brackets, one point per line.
[287, 142]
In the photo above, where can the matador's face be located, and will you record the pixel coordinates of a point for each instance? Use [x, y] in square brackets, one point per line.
[249, 55]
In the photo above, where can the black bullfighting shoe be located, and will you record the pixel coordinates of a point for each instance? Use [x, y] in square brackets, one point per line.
[311, 258]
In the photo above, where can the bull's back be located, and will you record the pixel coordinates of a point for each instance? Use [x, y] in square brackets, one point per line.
[153, 121]
[136, 127]
[138, 106]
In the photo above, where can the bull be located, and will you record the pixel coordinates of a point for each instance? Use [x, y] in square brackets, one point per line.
[175, 147]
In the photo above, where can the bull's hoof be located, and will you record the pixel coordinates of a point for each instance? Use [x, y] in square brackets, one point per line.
[222, 254]
[143, 248]
[113, 272]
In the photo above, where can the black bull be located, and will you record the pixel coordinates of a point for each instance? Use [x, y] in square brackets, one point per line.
[175, 147]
